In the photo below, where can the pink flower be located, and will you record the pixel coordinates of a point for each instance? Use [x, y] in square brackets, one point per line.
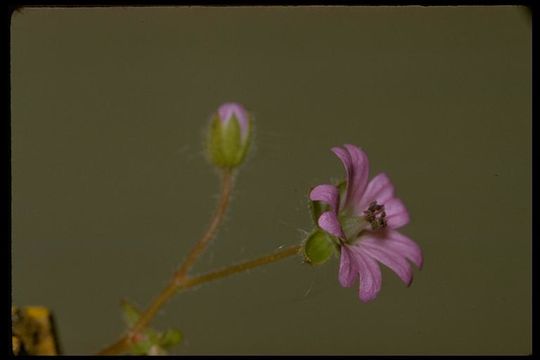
[365, 222]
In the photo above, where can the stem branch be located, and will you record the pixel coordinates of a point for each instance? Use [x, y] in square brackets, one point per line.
[189, 282]
[181, 273]
[233, 269]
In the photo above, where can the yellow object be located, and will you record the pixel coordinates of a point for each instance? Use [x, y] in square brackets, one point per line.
[33, 331]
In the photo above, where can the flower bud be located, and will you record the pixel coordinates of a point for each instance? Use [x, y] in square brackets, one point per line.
[229, 136]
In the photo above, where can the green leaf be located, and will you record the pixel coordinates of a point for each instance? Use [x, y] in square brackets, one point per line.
[170, 338]
[153, 342]
[318, 248]
[130, 312]
[142, 347]
[152, 335]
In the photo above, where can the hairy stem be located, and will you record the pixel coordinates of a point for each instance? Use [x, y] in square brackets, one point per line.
[200, 246]
[188, 282]
[181, 273]
[233, 269]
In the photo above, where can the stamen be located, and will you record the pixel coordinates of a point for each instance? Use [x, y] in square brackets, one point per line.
[376, 216]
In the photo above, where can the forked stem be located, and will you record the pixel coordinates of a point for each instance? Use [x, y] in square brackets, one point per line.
[188, 282]
[196, 251]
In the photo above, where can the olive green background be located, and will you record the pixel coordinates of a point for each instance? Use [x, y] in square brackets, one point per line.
[111, 187]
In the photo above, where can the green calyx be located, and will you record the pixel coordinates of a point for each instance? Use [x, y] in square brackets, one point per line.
[319, 247]
[226, 148]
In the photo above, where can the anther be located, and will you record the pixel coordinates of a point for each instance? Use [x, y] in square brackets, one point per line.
[376, 216]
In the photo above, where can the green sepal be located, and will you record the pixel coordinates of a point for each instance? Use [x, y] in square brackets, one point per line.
[318, 248]
[226, 147]
[317, 208]
[231, 144]
[245, 145]
[215, 143]
[130, 312]
[342, 187]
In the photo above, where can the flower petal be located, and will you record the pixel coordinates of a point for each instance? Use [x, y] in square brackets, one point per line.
[328, 194]
[388, 256]
[329, 222]
[396, 213]
[227, 110]
[402, 244]
[369, 273]
[356, 166]
[379, 189]
[347, 268]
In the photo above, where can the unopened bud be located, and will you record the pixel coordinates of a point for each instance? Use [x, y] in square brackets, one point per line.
[229, 136]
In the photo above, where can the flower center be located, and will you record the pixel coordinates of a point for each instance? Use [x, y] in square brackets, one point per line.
[376, 216]
[353, 226]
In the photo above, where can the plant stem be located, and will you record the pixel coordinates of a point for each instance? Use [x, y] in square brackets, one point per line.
[189, 282]
[200, 246]
[233, 269]
[181, 273]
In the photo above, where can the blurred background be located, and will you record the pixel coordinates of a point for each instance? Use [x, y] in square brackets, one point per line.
[110, 187]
